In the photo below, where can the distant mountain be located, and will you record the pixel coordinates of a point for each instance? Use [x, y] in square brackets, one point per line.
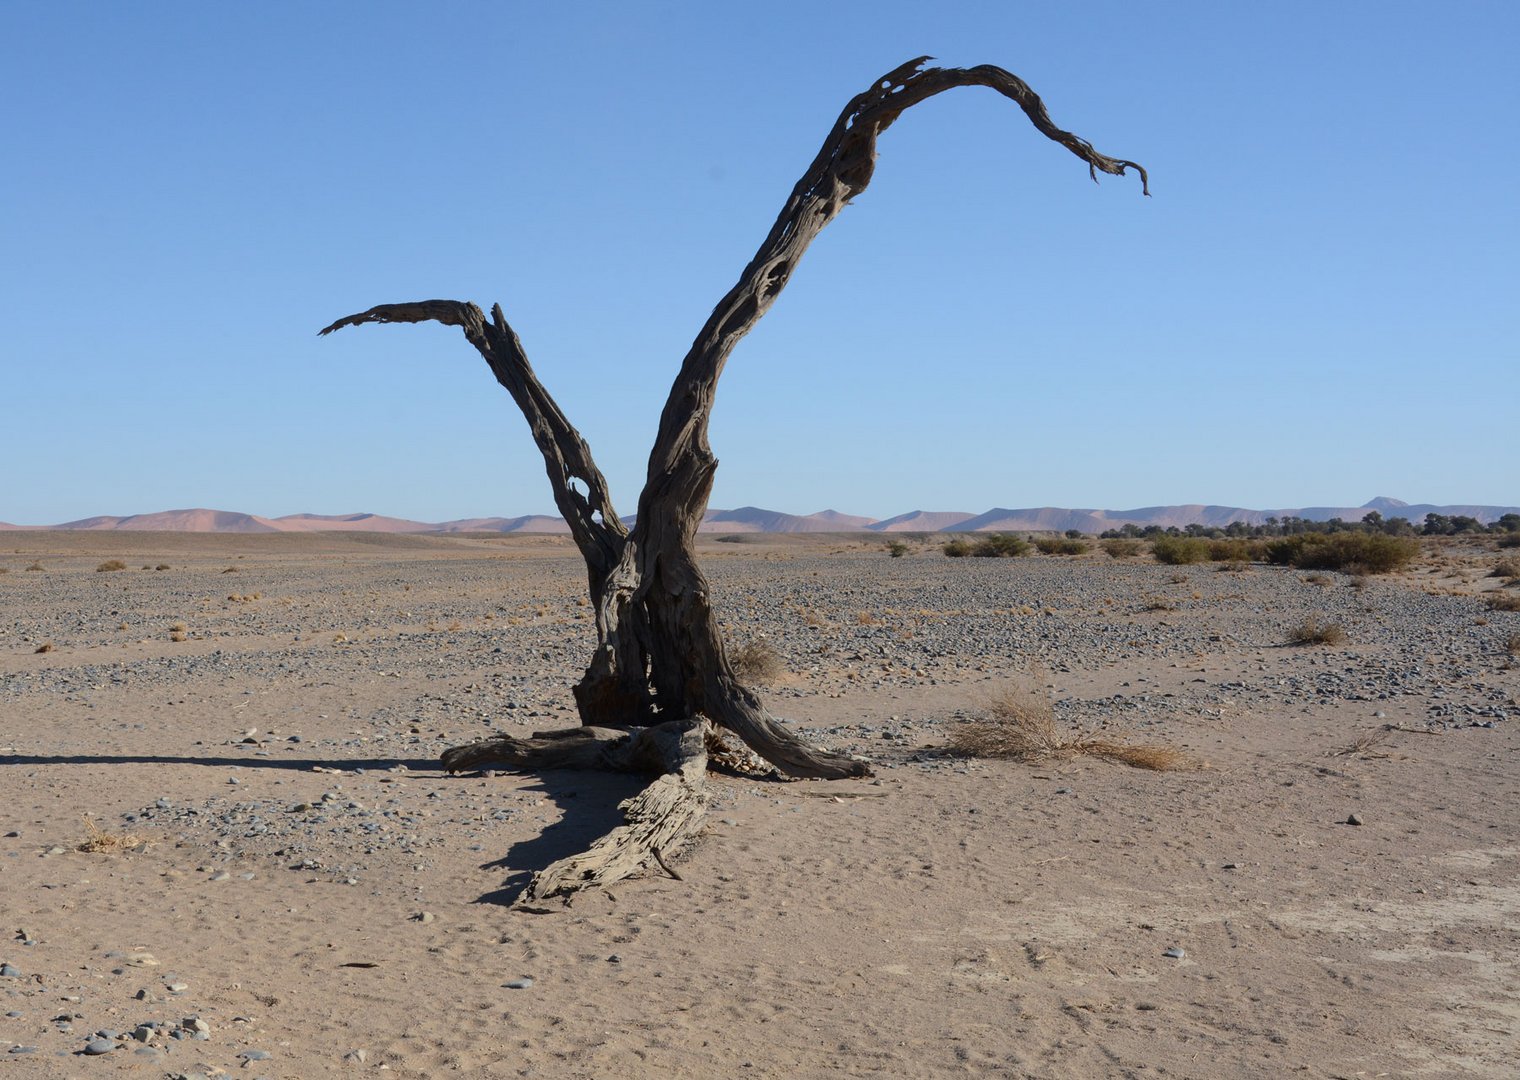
[756, 520]
[921, 521]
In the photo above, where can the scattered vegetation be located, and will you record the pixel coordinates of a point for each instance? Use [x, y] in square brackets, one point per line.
[46, 646]
[1504, 601]
[897, 549]
[1061, 545]
[1367, 745]
[1180, 550]
[163, 566]
[1510, 540]
[179, 632]
[1354, 552]
[757, 661]
[1020, 725]
[1313, 632]
[1160, 603]
[1512, 646]
[109, 565]
[988, 546]
[99, 841]
[36, 566]
[1122, 547]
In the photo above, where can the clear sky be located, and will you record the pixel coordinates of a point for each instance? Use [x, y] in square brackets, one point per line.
[1321, 302]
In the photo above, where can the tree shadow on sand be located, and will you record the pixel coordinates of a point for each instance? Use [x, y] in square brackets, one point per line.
[301, 764]
[590, 802]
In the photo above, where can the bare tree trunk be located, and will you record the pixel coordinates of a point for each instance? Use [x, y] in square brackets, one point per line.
[659, 657]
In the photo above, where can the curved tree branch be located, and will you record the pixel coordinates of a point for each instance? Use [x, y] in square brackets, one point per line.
[594, 523]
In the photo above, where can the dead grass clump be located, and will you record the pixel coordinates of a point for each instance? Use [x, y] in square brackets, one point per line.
[1020, 725]
[1504, 601]
[99, 841]
[36, 566]
[1507, 567]
[163, 566]
[230, 570]
[758, 661]
[1313, 632]
[1122, 547]
[109, 565]
[1512, 646]
[1366, 745]
[1160, 603]
[46, 646]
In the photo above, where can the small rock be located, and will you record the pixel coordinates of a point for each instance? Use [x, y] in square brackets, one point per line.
[10, 971]
[220, 875]
[23, 1049]
[1232, 866]
[176, 987]
[1353, 820]
[519, 984]
[1175, 953]
[254, 1055]
[95, 1047]
[356, 1056]
[614, 959]
[424, 917]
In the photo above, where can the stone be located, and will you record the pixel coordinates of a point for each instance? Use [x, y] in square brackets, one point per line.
[1353, 820]
[1175, 953]
[96, 1047]
[519, 984]
[254, 1055]
[10, 971]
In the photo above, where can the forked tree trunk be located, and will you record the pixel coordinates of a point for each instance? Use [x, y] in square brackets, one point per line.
[659, 659]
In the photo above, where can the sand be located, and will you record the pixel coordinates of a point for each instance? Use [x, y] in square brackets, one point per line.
[327, 901]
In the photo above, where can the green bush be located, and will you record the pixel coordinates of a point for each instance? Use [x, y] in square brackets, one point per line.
[1122, 547]
[896, 548]
[1237, 550]
[1179, 550]
[1000, 546]
[1362, 553]
[1061, 545]
[958, 548]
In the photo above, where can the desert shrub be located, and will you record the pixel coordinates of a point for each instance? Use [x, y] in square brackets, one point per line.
[1512, 646]
[1313, 632]
[1236, 549]
[1504, 601]
[757, 661]
[958, 548]
[897, 549]
[1180, 550]
[1119, 547]
[1510, 540]
[1508, 567]
[162, 566]
[1000, 546]
[1061, 545]
[36, 566]
[1020, 725]
[110, 565]
[45, 647]
[99, 841]
[1366, 553]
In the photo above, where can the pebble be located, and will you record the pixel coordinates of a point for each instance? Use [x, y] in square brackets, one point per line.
[95, 1047]
[10, 971]
[1353, 820]
[519, 984]
[1175, 953]
[254, 1055]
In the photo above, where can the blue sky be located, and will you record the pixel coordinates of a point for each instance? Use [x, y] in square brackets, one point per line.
[1318, 305]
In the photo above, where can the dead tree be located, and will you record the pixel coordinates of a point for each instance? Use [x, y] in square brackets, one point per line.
[659, 681]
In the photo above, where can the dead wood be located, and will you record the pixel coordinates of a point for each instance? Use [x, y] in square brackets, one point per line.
[659, 655]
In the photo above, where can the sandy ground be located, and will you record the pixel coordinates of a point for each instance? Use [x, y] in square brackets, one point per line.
[325, 901]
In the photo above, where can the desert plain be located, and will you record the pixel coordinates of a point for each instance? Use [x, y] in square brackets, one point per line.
[226, 846]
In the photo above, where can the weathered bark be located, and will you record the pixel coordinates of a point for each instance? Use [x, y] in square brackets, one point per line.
[659, 655]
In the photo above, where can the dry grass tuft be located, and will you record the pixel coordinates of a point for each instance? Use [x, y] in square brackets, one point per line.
[46, 646]
[1020, 725]
[1366, 745]
[1313, 632]
[109, 565]
[1512, 646]
[1507, 567]
[758, 661]
[36, 566]
[163, 566]
[1159, 603]
[99, 841]
[1504, 601]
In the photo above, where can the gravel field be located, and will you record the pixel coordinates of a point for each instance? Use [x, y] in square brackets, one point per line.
[264, 715]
